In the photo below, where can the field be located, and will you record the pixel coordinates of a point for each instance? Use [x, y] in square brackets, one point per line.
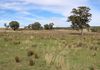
[49, 50]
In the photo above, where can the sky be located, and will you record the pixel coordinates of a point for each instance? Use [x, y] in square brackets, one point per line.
[45, 11]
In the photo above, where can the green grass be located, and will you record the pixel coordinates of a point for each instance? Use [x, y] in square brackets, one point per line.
[52, 50]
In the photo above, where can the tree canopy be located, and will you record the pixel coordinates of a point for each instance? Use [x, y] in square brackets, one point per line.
[36, 26]
[80, 17]
[48, 26]
[14, 25]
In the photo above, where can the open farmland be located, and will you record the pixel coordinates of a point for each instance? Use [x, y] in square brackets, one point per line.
[49, 50]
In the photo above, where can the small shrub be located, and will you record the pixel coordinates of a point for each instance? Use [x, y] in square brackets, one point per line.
[17, 59]
[31, 62]
[30, 53]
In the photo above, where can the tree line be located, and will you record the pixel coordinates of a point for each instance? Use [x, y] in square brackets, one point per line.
[34, 26]
[79, 19]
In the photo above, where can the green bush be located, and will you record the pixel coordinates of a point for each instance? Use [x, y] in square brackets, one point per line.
[14, 25]
[48, 26]
[36, 26]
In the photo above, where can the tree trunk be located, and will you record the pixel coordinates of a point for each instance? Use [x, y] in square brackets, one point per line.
[82, 32]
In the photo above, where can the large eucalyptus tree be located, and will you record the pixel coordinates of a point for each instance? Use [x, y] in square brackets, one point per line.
[80, 18]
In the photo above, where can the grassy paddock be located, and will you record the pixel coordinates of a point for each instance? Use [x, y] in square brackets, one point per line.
[49, 50]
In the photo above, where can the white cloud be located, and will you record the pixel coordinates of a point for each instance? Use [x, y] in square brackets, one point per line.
[57, 6]
[62, 7]
[17, 6]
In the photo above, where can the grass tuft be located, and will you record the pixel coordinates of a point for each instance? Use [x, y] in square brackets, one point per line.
[30, 53]
[17, 59]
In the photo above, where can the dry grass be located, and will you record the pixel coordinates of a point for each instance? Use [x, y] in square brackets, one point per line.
[49, 50]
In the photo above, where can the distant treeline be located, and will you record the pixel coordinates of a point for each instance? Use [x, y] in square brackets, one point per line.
[68, 28]
[95, 28]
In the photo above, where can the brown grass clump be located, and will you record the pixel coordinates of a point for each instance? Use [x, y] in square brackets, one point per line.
[17, 59]
[30, 53]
